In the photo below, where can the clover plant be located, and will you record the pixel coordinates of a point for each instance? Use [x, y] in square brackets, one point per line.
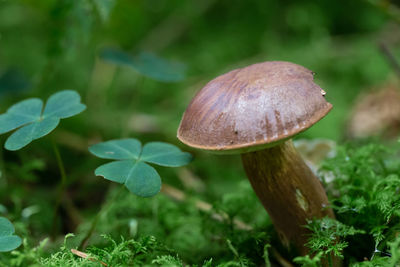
[147, 64]
[33, 121]
[8, 241]
[131, 167]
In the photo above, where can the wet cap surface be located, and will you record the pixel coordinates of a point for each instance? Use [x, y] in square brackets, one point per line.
[253, 107]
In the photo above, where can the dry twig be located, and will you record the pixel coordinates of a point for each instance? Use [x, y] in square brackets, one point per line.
[86, 256]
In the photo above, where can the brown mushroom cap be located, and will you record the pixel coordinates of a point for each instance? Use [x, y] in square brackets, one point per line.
[253, 108]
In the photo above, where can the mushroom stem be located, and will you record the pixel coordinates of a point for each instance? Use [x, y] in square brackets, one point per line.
[289, 191]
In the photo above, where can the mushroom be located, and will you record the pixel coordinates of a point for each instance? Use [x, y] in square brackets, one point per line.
[254, 111]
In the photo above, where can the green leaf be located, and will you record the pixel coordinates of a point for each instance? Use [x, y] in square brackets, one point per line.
[130, 168]
[63, 105]
[24, 112]
[117, 149]
[117, 57]
[164, 154]
[143, 180]
[140, 178]
[27, 134]
[8, 241]
[147, 64]
[34, 122]
[158, 68]
[116, 171]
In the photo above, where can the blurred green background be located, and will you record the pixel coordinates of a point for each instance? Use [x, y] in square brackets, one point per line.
[52, 45]
[138, 63]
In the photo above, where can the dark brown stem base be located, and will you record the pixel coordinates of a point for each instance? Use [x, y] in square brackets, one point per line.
[289, 191]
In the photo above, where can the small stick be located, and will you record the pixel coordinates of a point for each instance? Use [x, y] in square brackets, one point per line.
[390, 58]
[282, 261]
[190, 180]
[203, 206]
[86, 256]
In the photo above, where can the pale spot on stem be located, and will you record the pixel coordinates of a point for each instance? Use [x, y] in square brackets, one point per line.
[301, 200]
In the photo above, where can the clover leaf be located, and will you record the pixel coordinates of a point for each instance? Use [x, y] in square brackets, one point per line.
[147, 64]
[8, 241]
[131, 167]
[34, 121]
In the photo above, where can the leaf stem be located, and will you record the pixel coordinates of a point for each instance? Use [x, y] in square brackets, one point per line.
[61, 186]
[330, 262]
[390, 58]
[60, 162]
[95, 221]
[2, 170]
[110, 91]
